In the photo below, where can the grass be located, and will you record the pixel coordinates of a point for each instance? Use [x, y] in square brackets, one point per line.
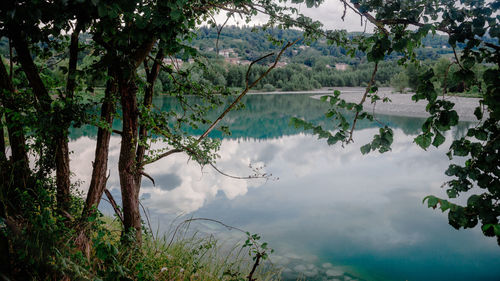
[188, 255]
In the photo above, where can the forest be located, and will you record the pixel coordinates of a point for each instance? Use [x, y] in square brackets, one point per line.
[308, 66]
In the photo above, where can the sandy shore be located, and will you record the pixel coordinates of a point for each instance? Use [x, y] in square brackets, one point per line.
[401, 104]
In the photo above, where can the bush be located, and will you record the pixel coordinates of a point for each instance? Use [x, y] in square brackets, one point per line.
[268, 88]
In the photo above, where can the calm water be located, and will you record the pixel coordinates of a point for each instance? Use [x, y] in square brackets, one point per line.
[333, 214]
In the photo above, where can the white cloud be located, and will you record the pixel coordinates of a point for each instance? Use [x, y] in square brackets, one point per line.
[329, 13]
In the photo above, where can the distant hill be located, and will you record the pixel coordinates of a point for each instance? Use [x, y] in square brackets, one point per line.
[247, 44]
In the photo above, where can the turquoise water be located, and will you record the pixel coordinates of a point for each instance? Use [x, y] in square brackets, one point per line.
[329, 212]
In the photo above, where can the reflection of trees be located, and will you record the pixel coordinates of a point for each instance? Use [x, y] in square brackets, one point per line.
[268, 116]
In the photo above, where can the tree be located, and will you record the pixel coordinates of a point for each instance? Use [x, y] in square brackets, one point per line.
[400, 82]
[126, 36]
[400, 28]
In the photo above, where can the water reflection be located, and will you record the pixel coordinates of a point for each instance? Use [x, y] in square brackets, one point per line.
[333, 214]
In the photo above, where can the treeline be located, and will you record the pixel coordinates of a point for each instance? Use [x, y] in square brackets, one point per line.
[310, 70]
[308, 66]
[250, 42]
[448, 77]
[292, 77]
[299, 77]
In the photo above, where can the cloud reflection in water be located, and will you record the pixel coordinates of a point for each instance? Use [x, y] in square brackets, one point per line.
[330, 204]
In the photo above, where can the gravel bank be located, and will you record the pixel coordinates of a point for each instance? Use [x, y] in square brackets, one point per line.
[401, 104]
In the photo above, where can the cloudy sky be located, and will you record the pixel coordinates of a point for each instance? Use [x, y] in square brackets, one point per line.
[329, 13]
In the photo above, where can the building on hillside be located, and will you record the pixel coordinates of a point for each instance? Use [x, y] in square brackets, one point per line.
[227, 53]
[238, 61]
[177, 63]
[341, 66]
[232, 60]
[281, 64]
[245, 62]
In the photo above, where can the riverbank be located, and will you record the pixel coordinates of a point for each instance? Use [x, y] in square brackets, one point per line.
[401, 105]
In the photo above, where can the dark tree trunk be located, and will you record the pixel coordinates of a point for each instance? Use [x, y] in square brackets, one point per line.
[3, 156]
[31, 71]
[15, 130]
[4, 242]
[126, 163]
[100, 167]
[151, 76]
[73, 60]
[63, 183]
[60, 140]
[127, 166]
[19, 163]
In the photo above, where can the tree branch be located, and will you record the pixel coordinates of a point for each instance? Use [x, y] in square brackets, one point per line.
[234, 103]
[73, 60]
[368, 88]
[149, 177]
[247, 87]
[114, 205]
[256, 176]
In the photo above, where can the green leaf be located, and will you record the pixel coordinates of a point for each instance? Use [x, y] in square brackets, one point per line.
[497, 229]
[424, 141]
[478, 113]
[365, 149]
[438, 139]
[432, 201]
[445, 205]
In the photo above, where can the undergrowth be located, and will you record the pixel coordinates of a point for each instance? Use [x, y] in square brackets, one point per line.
[43, 248]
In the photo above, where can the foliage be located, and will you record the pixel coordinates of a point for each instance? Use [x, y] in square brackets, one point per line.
[48, 252]
[50, 234]
[121, 50]
[474, 25]
[249, 42]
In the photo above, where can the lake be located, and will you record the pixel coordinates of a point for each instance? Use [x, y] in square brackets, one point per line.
[329, 212]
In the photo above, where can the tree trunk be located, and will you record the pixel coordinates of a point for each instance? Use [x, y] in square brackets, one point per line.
[73, 60]
[4, 242]
[100, 166]
[3, 156]
[19, 163]
[126, 163]
[15, 130]
[152, 75]
[63, 172]
[127, 166]
[60, 140]
[31, 70]
[63, 183]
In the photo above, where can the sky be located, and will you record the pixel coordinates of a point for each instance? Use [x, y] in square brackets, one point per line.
[329, 13]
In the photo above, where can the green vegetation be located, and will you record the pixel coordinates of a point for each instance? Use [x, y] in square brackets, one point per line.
[305, 66]
[446, 80]
[475, 26]
[313, 65]
[76, 63]
[47, 249]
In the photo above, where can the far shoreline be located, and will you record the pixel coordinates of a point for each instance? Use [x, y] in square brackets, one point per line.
[401, 105]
